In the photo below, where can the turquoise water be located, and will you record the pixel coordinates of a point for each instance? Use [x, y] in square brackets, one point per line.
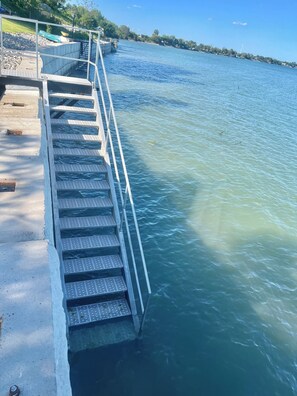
[210, 144]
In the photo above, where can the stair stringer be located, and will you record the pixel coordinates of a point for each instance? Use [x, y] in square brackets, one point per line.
[56, 218]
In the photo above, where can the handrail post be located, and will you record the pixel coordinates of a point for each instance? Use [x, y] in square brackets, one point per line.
[108, 132]
[96, 60]
[124, 208]
[89, 55]
[144, 315]
[97, 49]
[37, 65]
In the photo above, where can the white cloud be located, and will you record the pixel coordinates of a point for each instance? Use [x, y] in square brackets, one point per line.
[239, 23]
[135, 6]
[210, 19]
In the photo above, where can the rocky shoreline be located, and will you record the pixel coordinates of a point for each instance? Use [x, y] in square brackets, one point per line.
[13, 43]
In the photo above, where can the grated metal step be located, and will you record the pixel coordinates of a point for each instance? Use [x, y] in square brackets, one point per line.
[84, 203]
[95, 287]
[90, 242]
[72, 109]
[82, 123]
[75, 136]
[75, 152]
[97, 312]
[77, 168]
[69, 185]
[101, 334]
[91, 264]
[68, 223]
[70, 96]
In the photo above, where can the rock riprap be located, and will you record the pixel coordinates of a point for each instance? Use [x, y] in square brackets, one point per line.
[13, 43]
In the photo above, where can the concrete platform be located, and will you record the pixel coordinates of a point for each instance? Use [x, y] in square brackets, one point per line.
[26, 144]
[22, 212]
[33, 343]
[27, 333]
[19, 104]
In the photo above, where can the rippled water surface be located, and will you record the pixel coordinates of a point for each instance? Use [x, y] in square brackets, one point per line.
[210, 144]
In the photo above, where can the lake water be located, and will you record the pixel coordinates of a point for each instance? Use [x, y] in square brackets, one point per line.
[210, 145]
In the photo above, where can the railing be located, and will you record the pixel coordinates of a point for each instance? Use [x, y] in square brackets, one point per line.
[111, 143]
[124, 189]
[35, 54]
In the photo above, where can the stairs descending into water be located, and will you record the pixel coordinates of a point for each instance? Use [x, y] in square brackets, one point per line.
[97, 283]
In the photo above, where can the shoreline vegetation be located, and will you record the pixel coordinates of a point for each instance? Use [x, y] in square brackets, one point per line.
[85, 15]
[172, 41]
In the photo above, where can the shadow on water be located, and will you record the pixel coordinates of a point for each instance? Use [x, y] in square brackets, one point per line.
[202, 335]
[144, 70]
[135, 99]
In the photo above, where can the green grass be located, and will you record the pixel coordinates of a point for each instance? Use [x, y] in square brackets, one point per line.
[10, 26]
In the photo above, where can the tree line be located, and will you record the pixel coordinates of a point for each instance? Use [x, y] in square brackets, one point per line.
[85, 15]
[165, 40]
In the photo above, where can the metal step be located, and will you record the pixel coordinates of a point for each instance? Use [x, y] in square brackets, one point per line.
[67, 80]
[92, 264]
[90, 242]
[77, 168]
[69, 185]
[95, 287]
[84, 203]
[82, 123]
[97, 312]
[68, 223]
[75, 136]
[70, 96]
[101, 334]
[72, 109]
[75, 152]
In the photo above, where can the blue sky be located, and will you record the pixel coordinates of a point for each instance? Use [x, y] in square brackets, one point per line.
[265, 27]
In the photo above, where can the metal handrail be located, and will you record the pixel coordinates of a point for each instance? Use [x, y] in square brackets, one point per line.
[126, 193]
[128, 186]
[37, 23]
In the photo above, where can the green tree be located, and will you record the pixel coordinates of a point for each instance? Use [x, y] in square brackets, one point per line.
[110, 29]
[28, 5]
[124, 32]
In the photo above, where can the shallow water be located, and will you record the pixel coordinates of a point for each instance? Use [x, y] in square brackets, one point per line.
[210, 145]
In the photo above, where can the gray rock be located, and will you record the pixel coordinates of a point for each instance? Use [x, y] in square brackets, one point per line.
[19, 42]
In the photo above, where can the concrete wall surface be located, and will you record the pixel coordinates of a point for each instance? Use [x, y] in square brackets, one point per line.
[33, 343]
[28, 355]
[105, 47]
[59, 65]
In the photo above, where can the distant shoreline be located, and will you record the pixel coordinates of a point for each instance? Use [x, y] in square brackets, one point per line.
[207, 49]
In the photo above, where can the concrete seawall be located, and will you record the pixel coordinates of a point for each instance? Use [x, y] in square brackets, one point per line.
[62, 66]
[105, 47]
[59, 66]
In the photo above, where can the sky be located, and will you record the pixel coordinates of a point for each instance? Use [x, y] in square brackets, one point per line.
[267, 28]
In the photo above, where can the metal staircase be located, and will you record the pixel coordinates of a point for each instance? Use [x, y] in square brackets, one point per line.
[103, 271]
[96, 274]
